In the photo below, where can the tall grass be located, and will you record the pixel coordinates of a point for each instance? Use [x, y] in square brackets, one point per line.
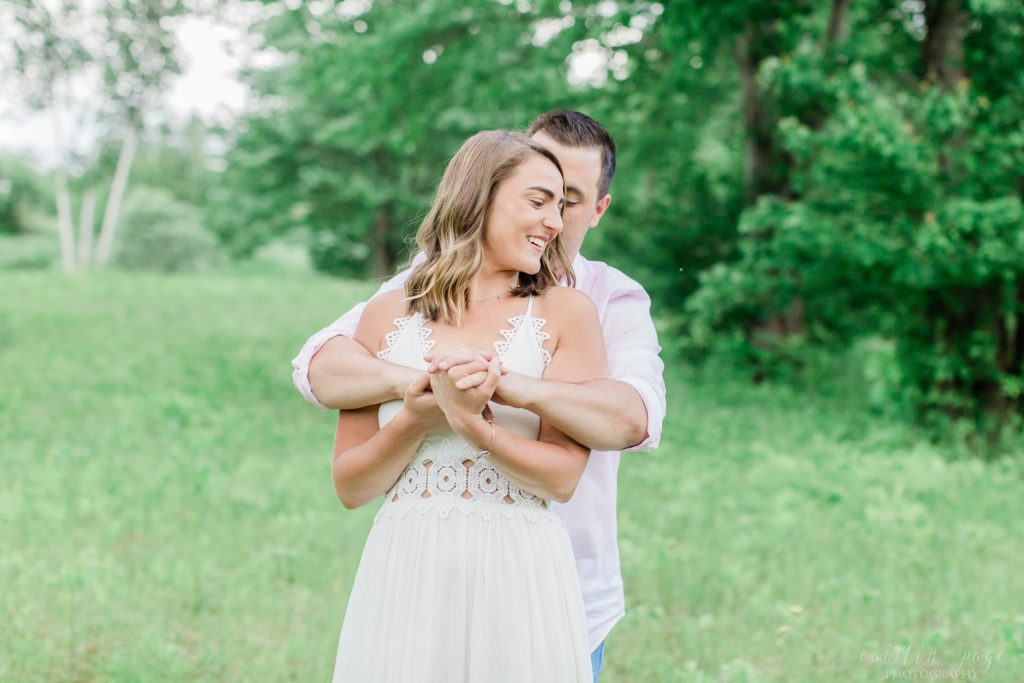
[166, 512]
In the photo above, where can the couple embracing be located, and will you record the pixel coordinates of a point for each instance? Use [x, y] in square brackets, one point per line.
[484, 393]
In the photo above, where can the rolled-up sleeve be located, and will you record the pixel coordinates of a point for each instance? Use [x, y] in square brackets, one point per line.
[633, 349]
[345, 326]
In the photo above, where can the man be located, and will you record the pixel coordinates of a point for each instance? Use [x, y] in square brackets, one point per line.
[624, 412]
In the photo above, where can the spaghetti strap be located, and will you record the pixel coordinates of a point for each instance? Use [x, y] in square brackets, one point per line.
[523, 343]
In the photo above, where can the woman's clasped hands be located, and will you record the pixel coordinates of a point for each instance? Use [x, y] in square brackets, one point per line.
[463, 381]
[422, 407]
[455, 389]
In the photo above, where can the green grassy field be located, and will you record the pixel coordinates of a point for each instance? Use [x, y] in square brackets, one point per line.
[166, 511]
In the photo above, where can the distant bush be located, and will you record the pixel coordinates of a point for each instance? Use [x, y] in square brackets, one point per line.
[279, 257]
[333, 254]
[23, 192]
[161, 233]
[28, 252]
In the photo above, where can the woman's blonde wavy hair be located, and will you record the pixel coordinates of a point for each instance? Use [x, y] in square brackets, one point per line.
[451, 235]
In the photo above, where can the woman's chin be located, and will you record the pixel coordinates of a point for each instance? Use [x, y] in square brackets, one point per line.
[531, 269]
[527, 266]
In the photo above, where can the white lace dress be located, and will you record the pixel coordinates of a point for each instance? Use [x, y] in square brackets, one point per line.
[465, 578]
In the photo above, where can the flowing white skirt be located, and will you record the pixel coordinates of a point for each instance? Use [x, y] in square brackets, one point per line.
[471, 593]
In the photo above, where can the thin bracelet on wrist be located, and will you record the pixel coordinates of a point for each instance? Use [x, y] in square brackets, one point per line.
[487, 451]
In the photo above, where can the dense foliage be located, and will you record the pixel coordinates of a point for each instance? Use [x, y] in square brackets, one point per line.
[900, 213]
[350, 132]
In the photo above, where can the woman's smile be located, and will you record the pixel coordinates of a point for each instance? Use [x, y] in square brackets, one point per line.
[538, 242]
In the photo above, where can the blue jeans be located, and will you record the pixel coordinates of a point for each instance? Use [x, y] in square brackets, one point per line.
[597, 660]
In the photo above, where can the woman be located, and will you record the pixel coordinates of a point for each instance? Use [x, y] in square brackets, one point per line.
[466, 574]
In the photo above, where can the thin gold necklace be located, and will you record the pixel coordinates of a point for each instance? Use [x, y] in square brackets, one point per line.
[488, 298]
[495, 296]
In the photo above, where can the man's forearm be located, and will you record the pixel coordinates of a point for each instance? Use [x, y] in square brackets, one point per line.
[345, 376]
[603, 415]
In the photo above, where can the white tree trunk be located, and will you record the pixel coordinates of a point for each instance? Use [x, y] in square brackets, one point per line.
[85, 227]
[64, 223]
[113, 209]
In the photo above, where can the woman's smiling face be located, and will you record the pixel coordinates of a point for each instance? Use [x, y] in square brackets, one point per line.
[525, 216]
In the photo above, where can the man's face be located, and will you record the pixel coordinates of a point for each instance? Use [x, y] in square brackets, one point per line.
[581, 167]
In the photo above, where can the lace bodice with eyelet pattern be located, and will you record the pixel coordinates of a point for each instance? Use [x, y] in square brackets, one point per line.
[445, 472]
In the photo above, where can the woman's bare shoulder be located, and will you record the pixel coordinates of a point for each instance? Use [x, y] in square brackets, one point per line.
[566, 304]
[379, 315]
[388, 305]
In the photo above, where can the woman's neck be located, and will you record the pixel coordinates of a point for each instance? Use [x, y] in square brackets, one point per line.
[492, 283]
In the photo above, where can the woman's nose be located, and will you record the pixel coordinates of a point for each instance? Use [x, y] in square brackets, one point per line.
[553, 220]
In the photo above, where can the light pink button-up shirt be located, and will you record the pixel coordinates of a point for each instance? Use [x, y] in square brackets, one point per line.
[624, 310]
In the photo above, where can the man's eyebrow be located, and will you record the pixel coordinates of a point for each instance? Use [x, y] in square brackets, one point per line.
[573, 188]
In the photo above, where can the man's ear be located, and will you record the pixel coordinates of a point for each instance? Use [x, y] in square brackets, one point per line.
[602, 206]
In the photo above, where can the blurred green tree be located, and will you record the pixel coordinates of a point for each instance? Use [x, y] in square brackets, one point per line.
[352, 128]
[99, 69]
[789, 172]
[903, 213]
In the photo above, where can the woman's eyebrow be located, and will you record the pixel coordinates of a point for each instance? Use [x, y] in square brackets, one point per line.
[549, 193]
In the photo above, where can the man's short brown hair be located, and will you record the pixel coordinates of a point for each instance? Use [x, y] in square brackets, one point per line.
[576, 129]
